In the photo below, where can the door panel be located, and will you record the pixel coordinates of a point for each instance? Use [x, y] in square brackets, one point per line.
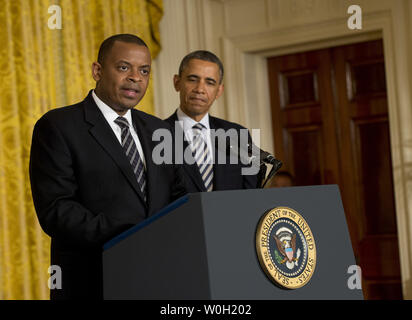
[363, 118]
[330, 120]
[300, 84]
[306, 150]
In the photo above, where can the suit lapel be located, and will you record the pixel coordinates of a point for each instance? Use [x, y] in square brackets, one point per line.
[104, 135]
[193, 170]
[221, 155]
[217, 154]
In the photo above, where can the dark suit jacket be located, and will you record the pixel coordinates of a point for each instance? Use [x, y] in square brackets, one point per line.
[85, 192]
[225, 176]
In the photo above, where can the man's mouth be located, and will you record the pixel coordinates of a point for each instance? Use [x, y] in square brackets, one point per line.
[197, 99]
[131, 92]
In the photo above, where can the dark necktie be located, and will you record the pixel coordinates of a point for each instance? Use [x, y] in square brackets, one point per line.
[132, 154]
[202, 156]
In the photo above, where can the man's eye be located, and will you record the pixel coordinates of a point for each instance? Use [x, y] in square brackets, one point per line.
[144, 72]
[123, 68]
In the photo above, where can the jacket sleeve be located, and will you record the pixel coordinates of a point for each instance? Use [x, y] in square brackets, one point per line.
[55, 192]
[179, 187]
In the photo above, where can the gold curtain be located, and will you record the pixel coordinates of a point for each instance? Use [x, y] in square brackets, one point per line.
[40, 69]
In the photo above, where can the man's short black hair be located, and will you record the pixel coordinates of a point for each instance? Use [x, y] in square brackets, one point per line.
[108, 43]
[202, 55]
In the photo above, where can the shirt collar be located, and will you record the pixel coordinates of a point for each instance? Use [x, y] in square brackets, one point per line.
[109, 114]
[188, 122]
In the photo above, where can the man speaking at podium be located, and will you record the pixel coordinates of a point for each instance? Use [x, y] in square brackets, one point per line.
[91, 167]
[200, 83]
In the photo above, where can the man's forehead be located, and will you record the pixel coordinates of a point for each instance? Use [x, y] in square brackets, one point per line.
[202, 63]
[197, 67]
[119, 43]
[122, 49]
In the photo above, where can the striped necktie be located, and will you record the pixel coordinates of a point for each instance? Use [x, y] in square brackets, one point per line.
[129, 147]
[202, 156]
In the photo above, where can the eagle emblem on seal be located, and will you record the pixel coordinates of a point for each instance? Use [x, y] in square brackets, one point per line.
[285, 247]
[286, 244]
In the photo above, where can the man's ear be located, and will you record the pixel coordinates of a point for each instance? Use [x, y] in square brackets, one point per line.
[176, 82]
[96, 71]
[220, 90]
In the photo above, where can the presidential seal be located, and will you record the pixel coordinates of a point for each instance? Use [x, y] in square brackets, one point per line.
[286, 248]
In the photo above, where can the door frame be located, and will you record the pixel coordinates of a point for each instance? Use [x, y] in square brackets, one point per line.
[246, 73]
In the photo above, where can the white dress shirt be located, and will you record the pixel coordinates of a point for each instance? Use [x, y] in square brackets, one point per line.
[110, 115]
[188, 124]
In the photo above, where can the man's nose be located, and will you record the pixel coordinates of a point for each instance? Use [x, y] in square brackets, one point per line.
[134, 75]
[200, 87]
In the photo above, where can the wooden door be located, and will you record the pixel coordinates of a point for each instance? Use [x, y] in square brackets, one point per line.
[330, 121]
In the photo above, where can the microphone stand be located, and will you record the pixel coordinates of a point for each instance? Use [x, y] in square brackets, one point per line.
[261, 175]
[275, 168]
[265, 158]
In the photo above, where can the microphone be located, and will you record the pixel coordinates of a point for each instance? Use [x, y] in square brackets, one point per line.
[249, 154]
[266, 157]
[270, 159]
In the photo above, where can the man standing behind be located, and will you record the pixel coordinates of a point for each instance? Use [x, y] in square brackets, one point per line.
[200, 83]
[91, 167]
